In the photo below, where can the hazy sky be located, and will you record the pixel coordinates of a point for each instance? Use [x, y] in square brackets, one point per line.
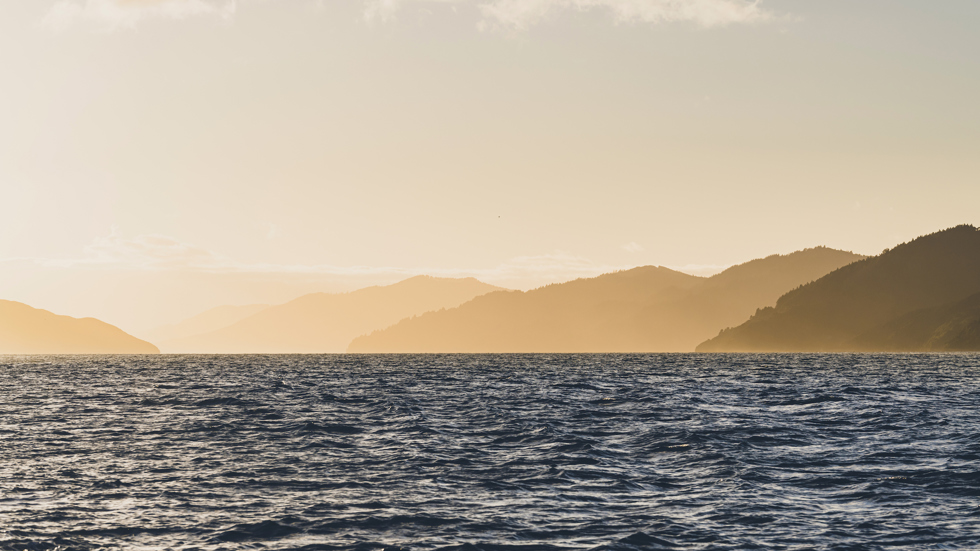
[158, 157]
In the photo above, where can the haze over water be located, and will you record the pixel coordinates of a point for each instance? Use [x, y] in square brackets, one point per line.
[160, 158]
[504, 177]
[498, 451]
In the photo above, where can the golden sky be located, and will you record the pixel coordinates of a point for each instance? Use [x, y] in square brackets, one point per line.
[159, 157]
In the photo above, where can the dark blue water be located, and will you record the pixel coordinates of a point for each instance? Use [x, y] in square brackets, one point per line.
[490, 452]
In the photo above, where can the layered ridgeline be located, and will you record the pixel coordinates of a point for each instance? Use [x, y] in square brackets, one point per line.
[205, 322]
[647, 309]
[918, 296]
[27, 330]
[323, 322]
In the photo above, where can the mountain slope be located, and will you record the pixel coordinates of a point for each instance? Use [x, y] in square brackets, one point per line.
[205, 322]
[730, 297]
[828, 315]
[950, 327]
[562, 317]
[645, 309]
[322, 322]
[27, 330]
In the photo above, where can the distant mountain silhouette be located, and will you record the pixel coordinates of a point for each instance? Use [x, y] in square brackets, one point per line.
[902, 299]
[205, 322]
[322, 322]
[646, 309]
[27, 330]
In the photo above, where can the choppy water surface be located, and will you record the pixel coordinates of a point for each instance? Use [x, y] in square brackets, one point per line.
[490, 452]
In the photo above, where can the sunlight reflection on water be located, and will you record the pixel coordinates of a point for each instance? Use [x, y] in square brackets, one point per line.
[521, 451]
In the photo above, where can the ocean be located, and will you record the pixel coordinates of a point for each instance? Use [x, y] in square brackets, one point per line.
[490, 452]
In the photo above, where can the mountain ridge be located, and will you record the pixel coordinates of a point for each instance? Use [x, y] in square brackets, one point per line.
[209, 320]
[829, 314]
[326, 322]
[639, 310]
[28, 330]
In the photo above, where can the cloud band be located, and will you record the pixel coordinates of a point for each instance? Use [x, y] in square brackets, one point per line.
[513, 14]
[114, 14]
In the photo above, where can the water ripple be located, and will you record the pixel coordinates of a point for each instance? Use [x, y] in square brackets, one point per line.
[495, 452]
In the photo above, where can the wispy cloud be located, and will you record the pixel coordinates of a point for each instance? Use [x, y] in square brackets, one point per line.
[385, 10]
[160, 253]
[381, 9]
[143, 252]
[632, 247]
[512, 14]
[115, 14]
[521, 14]
[163, 253]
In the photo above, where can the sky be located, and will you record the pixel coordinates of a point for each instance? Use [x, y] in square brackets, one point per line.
[161, 157]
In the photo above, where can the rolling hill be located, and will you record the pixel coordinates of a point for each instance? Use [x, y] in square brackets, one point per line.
[27, 330]
[323, 322]
[646, 309]
[216, 318]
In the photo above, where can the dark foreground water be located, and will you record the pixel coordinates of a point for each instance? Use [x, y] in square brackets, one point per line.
[490, 452]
